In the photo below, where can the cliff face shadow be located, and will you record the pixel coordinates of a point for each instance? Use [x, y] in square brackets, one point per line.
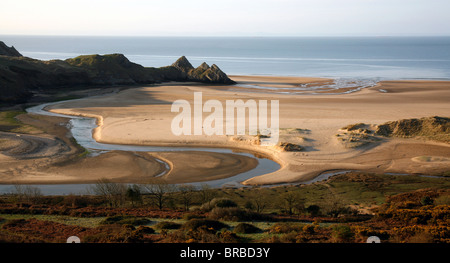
[114, 97]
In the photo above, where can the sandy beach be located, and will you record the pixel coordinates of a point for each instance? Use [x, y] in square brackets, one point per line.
[142, 116]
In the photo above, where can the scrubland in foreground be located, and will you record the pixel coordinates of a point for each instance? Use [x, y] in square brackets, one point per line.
[346, 208]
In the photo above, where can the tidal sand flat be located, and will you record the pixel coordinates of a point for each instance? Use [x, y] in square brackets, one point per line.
[315, 123]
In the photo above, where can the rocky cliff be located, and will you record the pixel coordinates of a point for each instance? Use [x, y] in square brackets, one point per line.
[21, 77]
[8, 51]
[435, 128]
[203, 73]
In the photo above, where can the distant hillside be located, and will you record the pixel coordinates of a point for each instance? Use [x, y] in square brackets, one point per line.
[111, 69]
[21, 77]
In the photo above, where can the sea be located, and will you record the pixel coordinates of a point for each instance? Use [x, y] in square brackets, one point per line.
[375, 58]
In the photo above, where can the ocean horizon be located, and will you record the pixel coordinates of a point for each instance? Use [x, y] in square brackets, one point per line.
[379, 58]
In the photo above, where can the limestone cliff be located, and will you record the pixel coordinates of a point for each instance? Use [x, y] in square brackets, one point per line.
[8, 51]
[21, 77]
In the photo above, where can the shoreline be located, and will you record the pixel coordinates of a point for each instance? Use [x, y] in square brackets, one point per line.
[295, 167]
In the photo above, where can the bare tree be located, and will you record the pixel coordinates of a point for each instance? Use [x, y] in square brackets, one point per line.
[292, 201]
[187, 195]
[114, 193]
[206, 194]
[27, 193]
[160, 191]
[258, 201]
[334, 205]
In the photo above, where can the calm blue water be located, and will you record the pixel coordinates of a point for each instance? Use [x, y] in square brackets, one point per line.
[349, 57]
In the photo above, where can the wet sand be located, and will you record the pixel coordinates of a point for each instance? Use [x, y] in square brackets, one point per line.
[142, 116]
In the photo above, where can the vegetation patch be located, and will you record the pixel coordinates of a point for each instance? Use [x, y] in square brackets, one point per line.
[197, 223]
[345, 208]
[167, 225]
[433, 128]
[125, 220]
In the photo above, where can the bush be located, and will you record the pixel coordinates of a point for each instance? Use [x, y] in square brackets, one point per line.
[125, 220]
[232, 214]
[342, 233]
[426, 200]
[284, 228]
[144, 230]
[244, 228]
[190, 216]
[167, 225]
[197, 223]
[218, 202]
[113, 234]
[14, 223]
[314, 210]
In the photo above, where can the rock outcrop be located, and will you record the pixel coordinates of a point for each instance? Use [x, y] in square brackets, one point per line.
[21, 77]
[8, 51]
[183, 65]
[203, 73]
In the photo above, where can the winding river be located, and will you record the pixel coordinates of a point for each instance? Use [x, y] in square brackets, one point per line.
[81, 129]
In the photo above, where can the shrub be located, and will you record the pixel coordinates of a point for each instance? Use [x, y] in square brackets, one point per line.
[244, 228]
[144, 230]
[426, 200]
[342, 233]
[314, 210]
[190, 216]
[227, 236]
[197, 223]
[125, 220]
[218, 202]
[167, 225]
[228, 214]
[14, 223]
[113, 234]
[283, 228]
[201, 234]
[234, 214]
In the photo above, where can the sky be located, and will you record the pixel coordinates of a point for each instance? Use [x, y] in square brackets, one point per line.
[226, 17]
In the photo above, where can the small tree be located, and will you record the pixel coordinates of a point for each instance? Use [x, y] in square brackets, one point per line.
[334, 206]
[313, 210]
[186, 195]
[114, 193]
[290, 201]
[159, 191]
[134, 194]
[206, 193]
[258, 202]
